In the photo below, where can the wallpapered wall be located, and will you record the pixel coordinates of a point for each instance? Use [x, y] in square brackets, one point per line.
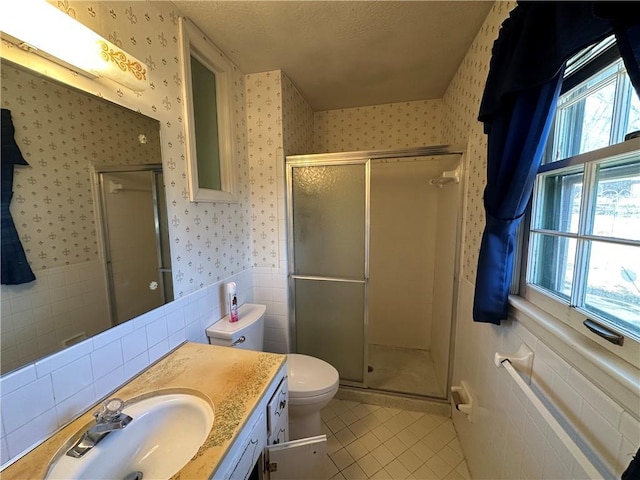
[459, 125]
[279, 123]
[396, 125]
[61, 133]
[509, 439]
[264, 127]
[205, 248]
[208, 241]
[298, 120]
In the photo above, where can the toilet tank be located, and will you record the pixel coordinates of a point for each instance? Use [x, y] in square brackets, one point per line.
[247, 333]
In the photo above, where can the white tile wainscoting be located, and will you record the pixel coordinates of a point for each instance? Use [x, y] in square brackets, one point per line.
[40, 398]
[509, 439]
[64, 303]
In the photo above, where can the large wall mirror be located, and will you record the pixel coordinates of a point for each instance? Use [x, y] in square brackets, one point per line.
[207, 116]
[89, 211]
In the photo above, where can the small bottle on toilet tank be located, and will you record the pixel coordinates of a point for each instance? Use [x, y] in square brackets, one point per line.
[233, 302]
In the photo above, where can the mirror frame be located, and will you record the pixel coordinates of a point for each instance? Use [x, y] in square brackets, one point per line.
[194, 43]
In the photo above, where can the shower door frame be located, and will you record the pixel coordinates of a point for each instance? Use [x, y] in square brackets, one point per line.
[97, 171]
[296, 162]
[368, 156]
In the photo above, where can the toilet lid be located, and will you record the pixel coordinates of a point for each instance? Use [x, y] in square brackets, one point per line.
[309, 376]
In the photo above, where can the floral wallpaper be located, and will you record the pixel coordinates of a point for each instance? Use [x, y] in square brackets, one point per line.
[460, 125]
[298, 120]
[209, 242]
[63, 132]
[279, 123]
[396, 125]
[264, 126]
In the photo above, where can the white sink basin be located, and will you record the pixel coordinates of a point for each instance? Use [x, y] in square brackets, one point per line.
[166, 432]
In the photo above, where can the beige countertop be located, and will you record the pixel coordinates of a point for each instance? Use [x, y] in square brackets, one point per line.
[234, 380]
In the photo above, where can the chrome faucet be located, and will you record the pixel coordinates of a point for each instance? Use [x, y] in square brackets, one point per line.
[109, 419]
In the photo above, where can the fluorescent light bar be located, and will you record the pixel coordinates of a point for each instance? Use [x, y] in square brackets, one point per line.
[43, 29]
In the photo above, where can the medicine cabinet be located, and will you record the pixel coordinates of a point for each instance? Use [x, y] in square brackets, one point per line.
[209, 131]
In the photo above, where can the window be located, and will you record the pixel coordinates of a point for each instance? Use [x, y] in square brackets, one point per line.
[207, 117]
[583, 258]
[597, 113]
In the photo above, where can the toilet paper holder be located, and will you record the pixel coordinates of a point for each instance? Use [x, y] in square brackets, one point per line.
[462, 399]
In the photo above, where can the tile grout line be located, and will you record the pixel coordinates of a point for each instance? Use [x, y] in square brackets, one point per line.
[370, 441]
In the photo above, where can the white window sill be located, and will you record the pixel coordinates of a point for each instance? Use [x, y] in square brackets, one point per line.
[617, 377]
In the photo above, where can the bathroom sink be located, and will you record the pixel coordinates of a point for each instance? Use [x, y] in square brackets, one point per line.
[166, 432]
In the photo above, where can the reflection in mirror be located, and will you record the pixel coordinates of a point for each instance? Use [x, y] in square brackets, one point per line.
[208, 126]
[90, 213]
[132, 225]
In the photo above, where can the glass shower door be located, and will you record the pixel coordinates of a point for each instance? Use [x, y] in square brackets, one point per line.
[328, 225]
[134, 226]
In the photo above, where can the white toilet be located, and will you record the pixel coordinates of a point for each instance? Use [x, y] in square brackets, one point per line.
[312, 385]
[312, 382]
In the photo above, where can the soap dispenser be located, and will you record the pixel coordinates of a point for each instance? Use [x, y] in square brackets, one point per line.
[233, 302]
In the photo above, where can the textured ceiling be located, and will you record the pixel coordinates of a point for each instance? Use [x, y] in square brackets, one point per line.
[346, 54]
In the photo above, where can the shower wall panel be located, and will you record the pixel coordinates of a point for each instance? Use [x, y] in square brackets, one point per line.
[444, 269]
[404, 212]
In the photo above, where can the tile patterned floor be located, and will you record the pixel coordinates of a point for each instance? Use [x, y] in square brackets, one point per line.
[404, 370]
[373, 442]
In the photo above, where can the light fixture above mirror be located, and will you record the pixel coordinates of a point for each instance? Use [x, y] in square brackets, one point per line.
[38, 27]
[207, 113]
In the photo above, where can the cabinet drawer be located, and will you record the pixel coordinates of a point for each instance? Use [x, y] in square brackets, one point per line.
[278, 409]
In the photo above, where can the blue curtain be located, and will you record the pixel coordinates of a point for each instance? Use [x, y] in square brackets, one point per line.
[518, 104]
[15, 267]
[628, 40]
[515, 147]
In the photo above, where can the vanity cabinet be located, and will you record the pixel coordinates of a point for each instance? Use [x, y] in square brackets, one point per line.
[262, 450]
[247, 450]
[278, 415]
[253, 382]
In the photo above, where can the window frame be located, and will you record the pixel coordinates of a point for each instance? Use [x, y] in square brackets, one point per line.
[555, 306]
[621, 97]
[193, 43]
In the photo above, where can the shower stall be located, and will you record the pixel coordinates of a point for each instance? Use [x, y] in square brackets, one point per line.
[373, 255]
[134, 233]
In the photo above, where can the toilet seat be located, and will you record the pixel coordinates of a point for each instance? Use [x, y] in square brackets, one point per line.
[310, 376]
